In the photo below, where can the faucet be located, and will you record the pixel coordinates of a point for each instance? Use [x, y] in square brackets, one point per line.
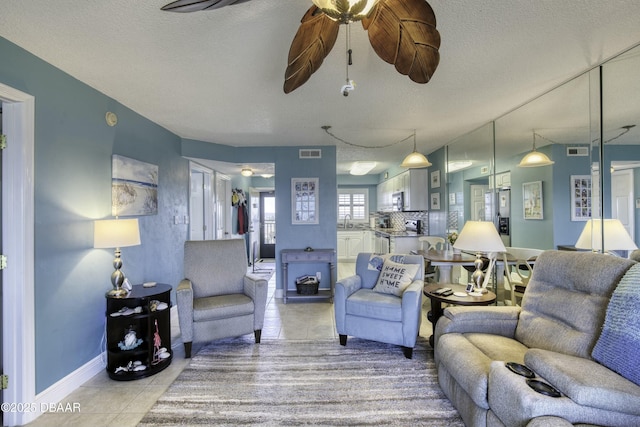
[346, 222]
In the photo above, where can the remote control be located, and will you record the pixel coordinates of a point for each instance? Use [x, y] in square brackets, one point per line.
[446, 293]
[442, 291]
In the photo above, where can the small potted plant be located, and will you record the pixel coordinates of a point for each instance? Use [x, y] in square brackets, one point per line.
[452, 237]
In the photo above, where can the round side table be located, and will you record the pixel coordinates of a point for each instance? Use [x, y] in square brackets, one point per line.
[437, 300]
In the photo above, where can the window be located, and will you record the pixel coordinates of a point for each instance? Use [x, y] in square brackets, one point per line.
[355, 203]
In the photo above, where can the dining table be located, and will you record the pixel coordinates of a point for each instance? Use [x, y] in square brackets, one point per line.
[445, 260]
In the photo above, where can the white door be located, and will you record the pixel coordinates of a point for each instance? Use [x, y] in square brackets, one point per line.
[622, 199]
[223, 206]
[200, 204]
[478, 202]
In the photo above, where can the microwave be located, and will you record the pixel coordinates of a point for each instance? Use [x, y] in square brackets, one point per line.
[397, 201]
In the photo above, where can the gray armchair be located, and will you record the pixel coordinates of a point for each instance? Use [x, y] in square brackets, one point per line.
[364, 313]
[217, 299]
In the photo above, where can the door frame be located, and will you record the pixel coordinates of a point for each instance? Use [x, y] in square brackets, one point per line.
[18, 245]
[261, 244]
[626, 174]
[207, 200]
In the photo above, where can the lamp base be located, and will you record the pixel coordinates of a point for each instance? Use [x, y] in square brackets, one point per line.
[117, 293]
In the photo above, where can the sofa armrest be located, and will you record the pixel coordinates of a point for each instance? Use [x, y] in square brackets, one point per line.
[343, 289]
[488, 320]
[184, 300]
[256, 288]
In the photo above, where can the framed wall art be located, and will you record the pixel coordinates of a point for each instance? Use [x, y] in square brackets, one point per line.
[532, 200]
[134, 187]
[304, 201]
[435, 179]
[435, 201]
[580, 197]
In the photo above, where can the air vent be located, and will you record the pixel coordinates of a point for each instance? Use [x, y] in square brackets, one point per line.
[577, 151]
[310, 153]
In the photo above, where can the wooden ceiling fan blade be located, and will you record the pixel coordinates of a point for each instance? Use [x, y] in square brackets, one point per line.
[185, 6]
[312, 43]
[403, 33]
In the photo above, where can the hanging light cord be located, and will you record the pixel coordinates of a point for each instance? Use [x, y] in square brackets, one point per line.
[349, 51]
[326, 129]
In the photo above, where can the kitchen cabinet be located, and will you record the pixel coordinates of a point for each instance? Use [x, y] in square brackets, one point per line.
[413, 183]
[404, 245]
[416, 193]
[350, 244]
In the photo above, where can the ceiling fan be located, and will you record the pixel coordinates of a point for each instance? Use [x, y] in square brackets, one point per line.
[401, 32]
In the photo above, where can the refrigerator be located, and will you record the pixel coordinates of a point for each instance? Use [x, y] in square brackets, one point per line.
[498, 210]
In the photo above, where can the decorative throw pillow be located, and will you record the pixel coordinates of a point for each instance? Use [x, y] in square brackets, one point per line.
[617, 347]
[394, 278]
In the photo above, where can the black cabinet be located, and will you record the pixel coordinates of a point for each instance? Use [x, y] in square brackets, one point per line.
[139, 332]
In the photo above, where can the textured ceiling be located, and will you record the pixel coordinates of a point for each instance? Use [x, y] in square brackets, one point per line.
[217, 75]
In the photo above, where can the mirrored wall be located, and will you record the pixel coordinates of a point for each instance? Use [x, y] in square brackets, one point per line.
[549, 206]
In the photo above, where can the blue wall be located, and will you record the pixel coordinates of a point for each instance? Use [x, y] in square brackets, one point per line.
[73, 148]
[287, 166]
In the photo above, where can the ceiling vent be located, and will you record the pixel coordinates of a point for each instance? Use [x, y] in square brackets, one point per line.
[310, 153]
[577, 151]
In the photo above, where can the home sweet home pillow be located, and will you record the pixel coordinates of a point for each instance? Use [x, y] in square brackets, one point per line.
[394, 277]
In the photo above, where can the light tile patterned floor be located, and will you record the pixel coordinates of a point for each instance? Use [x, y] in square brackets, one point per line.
[105, 402]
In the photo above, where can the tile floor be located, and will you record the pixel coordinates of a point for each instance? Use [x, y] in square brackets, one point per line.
[105, 402]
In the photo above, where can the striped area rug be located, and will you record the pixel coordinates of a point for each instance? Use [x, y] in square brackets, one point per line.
[313, 383]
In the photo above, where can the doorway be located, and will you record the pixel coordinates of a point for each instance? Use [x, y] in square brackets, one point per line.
[200, 206]
[268, 224]
[2, 145]
[622, 203]
[18, 314]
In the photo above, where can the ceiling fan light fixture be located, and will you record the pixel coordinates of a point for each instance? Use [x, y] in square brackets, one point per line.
[246, 172]
[534, 158]
[346, 11]
[362, 168]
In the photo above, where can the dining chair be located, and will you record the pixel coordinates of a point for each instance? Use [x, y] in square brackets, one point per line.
[517, 273]
[436, 243]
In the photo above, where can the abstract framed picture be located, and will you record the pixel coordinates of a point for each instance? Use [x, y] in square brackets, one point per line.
[580, 197]
[304, 201]
[532, 200]
[134, 187]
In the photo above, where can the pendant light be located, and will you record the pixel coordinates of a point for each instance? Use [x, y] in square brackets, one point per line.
[415, 159]
[346, 11]
[535, 158]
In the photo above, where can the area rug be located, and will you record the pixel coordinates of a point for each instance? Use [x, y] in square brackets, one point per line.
[313, 383]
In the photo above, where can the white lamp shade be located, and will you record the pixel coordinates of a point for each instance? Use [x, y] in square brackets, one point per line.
[534, 159]
[616, 237]
[415, 160]
[479, 236]
[116, 233]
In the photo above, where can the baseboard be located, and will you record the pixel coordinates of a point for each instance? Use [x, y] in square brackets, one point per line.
[64, 387]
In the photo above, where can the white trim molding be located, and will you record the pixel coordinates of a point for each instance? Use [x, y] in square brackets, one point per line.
[18, 299]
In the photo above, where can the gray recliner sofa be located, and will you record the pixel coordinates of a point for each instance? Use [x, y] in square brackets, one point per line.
[565, 312]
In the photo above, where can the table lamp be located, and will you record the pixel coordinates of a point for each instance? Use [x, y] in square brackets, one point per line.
[116, 233]
[616, 237]
[479, 237]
